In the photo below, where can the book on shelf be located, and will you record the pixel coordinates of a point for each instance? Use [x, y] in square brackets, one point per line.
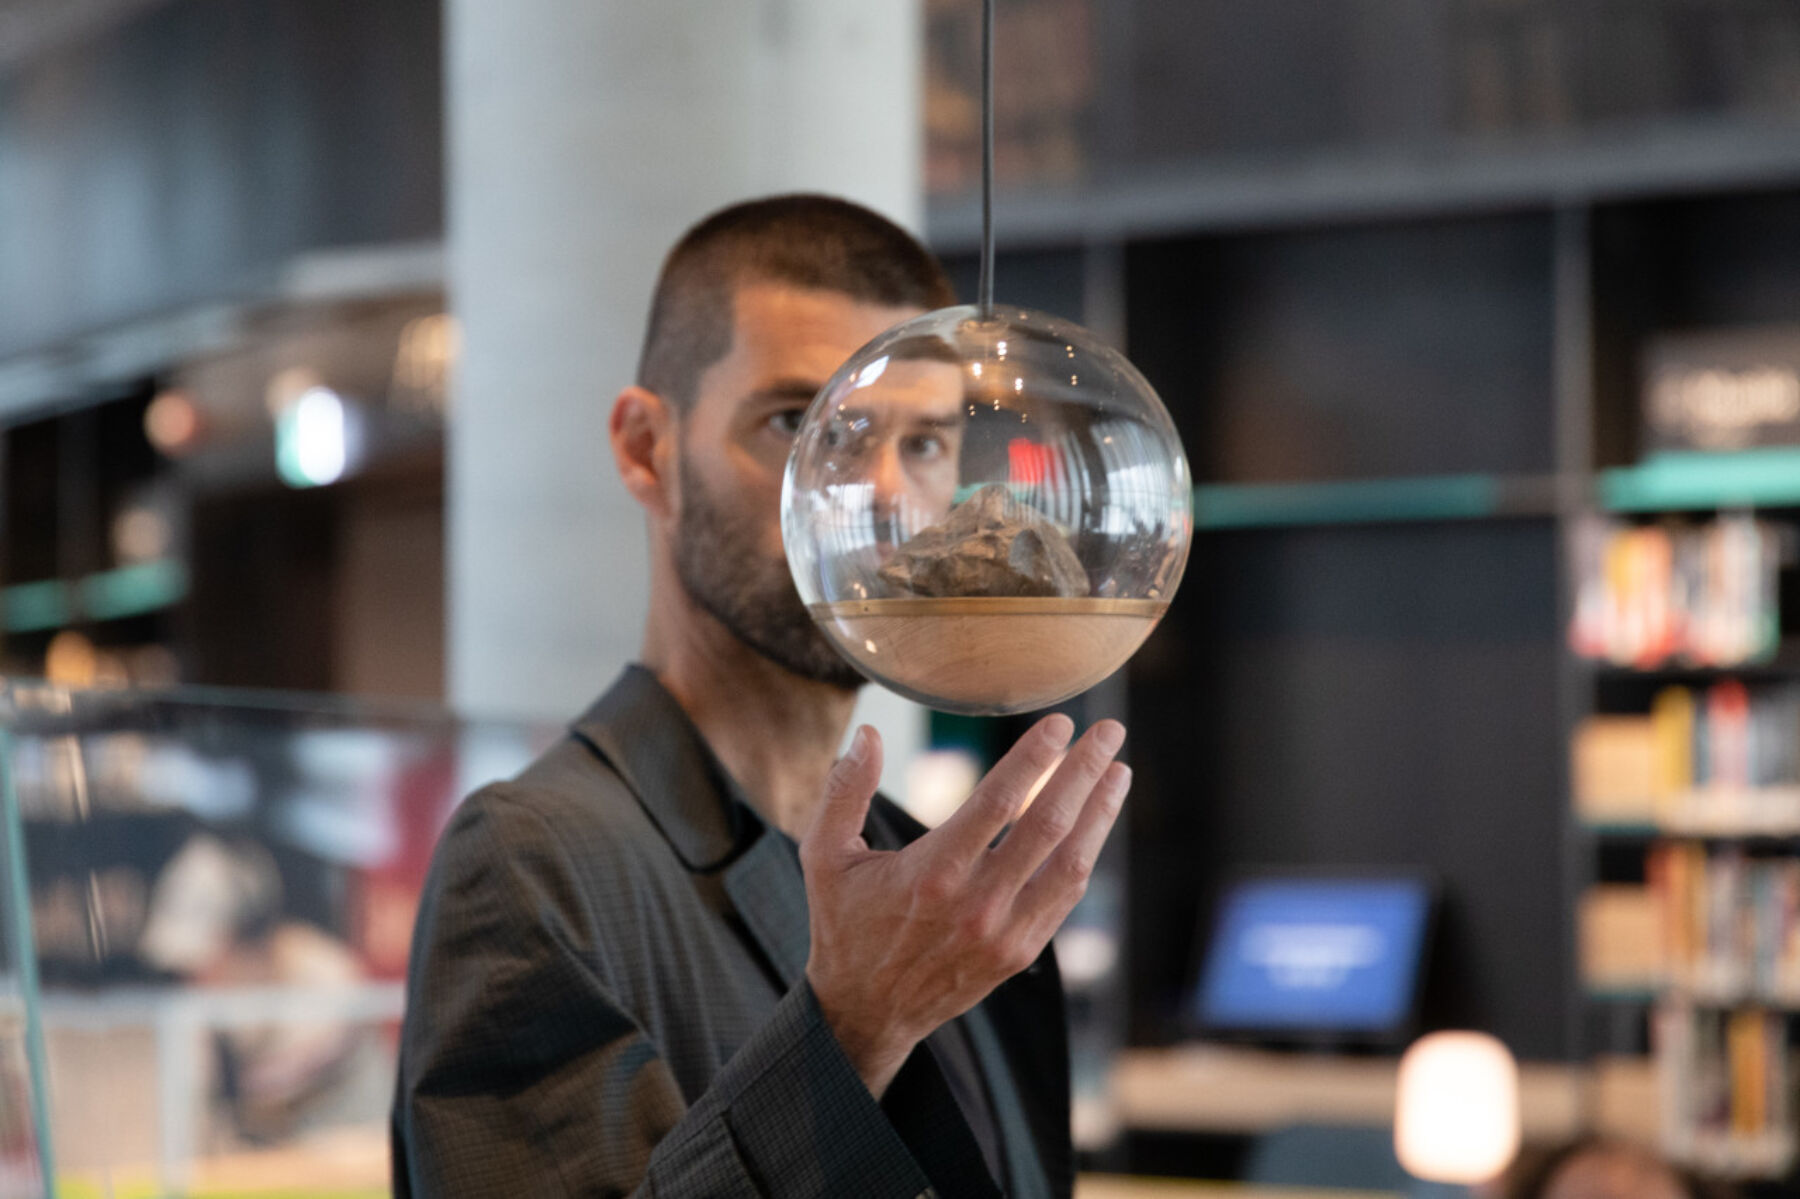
[1727, 1083]
[1718, 928]
[1648, 596]
[1616, 777]
[1620, 933]
[1718, 761]
[1671, 728]
[1729, 923]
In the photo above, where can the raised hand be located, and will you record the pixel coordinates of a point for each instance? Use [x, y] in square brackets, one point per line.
[904, 941]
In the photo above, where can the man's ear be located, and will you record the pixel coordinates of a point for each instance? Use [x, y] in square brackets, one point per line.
[643, 431]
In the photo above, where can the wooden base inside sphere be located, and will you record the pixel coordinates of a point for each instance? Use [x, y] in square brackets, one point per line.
[989, 657]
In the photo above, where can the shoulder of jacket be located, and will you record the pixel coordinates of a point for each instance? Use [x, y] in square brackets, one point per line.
[568, 796]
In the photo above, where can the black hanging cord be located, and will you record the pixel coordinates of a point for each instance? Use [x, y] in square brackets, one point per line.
[986, 287]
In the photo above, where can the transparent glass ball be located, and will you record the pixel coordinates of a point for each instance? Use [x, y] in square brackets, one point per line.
[987, 514]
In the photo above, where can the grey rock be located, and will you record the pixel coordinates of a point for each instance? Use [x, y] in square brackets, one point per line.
[988, 545]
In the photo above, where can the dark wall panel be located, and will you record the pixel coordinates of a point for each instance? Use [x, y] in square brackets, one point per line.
[1355, 697]
[1701, 262]
[1423, 348]
[1050, 281]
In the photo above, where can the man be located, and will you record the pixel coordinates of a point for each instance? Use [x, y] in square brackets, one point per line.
[1599, 1168]
[627, 977]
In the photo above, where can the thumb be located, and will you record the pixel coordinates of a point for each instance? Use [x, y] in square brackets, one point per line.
[838, 823]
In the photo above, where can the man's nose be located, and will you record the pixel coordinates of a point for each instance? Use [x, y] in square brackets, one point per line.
[887, 477]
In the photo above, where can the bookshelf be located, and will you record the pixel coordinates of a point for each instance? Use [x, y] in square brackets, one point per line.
[1697, 804]
[1685, 750]
[1400, 421]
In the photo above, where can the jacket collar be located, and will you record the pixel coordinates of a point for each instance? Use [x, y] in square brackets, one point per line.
[643, 733]
[640, 729]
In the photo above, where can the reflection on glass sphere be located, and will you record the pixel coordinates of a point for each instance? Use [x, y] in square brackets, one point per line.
[987, 514]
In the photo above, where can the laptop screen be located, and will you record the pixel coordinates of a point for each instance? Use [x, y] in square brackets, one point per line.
[1315, 956]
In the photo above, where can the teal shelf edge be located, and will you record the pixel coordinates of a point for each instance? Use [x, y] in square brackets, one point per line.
[1648, 993]
[1632, 830]
[108, 595]
[132, 590]
[28, 607]
[1426, 497]
[1768, 476]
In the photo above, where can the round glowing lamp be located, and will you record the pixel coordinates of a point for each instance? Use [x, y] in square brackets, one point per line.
[987, 509]
[1456, 1119]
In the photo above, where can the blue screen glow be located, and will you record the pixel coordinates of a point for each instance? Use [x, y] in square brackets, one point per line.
[1325, 956]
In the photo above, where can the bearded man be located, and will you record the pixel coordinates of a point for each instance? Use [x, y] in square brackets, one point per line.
[686, 952]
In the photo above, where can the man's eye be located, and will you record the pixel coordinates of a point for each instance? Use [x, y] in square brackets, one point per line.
[923, 446]
[787, 421]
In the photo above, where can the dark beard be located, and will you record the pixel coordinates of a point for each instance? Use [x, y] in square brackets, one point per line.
[716, 559]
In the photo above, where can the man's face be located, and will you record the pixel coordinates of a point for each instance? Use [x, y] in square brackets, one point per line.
[734, 446]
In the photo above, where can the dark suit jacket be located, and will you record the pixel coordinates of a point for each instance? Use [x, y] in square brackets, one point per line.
[607, 997]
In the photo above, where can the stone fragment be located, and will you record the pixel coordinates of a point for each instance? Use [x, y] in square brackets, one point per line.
[988, 545]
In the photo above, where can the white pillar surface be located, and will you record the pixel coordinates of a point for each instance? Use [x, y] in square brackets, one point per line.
[582, 139]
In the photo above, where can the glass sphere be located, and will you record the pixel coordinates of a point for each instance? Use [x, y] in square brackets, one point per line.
[987, 513]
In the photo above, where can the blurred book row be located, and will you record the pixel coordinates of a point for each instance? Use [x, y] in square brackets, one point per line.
[1718, 926]
[1724, 759]
[1702, 595]
[1728, 1084]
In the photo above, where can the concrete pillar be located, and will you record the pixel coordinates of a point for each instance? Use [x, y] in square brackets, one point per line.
[582, 138]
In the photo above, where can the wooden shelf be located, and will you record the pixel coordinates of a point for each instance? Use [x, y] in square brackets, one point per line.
[1785, 662]
[1633, 830]
[1648, 991]
[1477, 176]
[1122, 1186]
[1623, 830]
[1209, 1088]
[1769, 1155]
[1759, 813]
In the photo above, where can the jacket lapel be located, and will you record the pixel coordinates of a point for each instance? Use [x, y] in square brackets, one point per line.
[644, 734]
[1016, 1140]
[639, 729]
[1027, 1018]
[1018, 1037]
[767, 888]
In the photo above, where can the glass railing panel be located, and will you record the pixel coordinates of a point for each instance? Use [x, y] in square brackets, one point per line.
[221, 891]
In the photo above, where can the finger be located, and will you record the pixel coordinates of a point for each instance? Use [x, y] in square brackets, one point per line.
[1059, 883]
[996, 800]
[1054, 813]
[837, 824]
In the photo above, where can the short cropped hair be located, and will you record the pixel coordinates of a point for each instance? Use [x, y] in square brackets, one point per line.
[1547, 1173]
[813, 242]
